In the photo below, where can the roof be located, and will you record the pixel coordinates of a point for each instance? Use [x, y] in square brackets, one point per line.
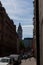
[28, 38]
[14, 55]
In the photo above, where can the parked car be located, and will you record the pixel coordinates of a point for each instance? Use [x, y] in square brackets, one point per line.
[0, 58]
[17, 58]
[6, 61]
[30, 55]
[25, 56]
[21, 56]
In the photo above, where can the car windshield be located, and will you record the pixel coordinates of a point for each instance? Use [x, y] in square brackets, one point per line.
[4, 60]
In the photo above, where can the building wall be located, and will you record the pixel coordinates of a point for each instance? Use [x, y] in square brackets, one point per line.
[8, 36]
[41, 30]
[28, 42]
[34, 30]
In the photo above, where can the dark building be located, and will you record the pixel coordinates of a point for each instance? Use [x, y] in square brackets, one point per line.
[28, 42]
[8, 35]
[34, 30]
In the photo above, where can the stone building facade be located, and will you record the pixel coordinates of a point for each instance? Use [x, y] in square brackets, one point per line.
[41, 30]
[8, 35]
[40, 8]
[34, 30]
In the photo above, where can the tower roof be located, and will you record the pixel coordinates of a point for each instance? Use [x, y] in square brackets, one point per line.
[19, 27]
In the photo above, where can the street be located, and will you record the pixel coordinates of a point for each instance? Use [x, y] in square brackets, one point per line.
[31, 61]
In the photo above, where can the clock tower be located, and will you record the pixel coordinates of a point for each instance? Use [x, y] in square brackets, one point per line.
[19, 31]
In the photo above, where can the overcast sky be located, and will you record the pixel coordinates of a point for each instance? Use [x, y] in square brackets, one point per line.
[21, 11]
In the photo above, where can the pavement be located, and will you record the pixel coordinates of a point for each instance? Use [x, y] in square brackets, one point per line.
[30, 61]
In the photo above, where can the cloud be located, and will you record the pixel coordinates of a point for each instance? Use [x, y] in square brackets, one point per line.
[25, 26]
[21, 11]
[27, 30]
[19, 7]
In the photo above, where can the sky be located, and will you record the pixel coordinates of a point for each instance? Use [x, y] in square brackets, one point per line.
[21, 11]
